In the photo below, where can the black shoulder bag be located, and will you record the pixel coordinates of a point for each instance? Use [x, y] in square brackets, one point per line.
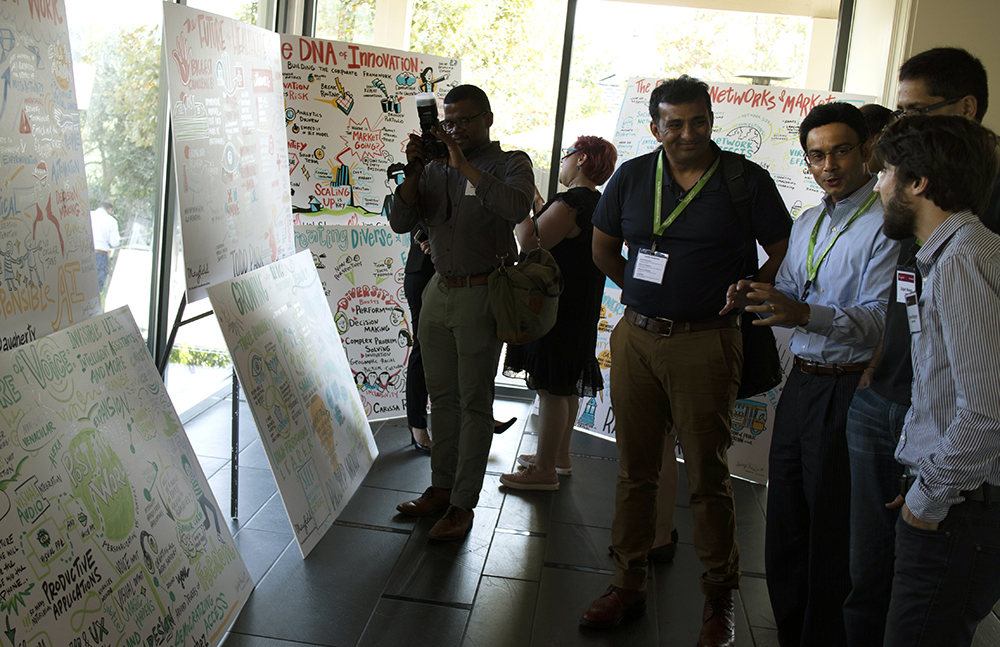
[761, 363]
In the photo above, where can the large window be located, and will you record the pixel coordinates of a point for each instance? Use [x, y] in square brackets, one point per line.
[351, 21]
[116, 66]
[512, 50]
[616, 40]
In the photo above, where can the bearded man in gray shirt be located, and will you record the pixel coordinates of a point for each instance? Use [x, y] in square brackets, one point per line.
[470, 202]
[938, 172]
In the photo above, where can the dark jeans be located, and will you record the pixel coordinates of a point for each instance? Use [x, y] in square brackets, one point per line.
[808, 510]
[102, 270]
[947, 580]
[873, 427]
[416, 383]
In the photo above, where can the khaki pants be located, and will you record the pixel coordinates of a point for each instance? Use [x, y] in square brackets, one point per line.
[683, 384]
[458, 335]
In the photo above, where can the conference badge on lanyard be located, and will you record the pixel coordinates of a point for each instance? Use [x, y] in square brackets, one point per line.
[650, 264]
[812, 267]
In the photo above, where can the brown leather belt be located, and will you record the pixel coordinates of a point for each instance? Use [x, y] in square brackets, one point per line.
[464, 281]
[836, 370]
[101, 251]
[669, 327]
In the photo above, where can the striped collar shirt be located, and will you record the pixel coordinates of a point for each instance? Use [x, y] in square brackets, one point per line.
[951, 438]
[847, 300]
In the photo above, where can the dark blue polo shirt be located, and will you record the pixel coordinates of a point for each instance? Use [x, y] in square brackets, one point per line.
[705, 242]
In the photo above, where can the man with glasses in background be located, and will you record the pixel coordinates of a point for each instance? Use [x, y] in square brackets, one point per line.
[832, 288]
[469, 202]
[948, 81]
[939, 82]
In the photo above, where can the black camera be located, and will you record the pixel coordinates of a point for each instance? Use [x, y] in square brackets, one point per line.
[434, 148]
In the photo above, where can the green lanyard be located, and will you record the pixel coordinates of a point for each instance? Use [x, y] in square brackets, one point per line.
[813, 269]
[660, 227]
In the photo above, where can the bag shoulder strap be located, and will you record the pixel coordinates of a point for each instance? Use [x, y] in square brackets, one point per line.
[734, 172]
[500, 172]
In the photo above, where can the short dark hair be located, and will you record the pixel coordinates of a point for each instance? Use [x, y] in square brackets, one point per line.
[601, 157]
[469, 93]
[949, 73]
[876, 117]
[956, 155]
[833, 113]
[106, 205]
[683, 89]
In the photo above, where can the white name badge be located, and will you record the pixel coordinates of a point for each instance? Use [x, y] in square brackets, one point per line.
[906, 284]
[650, 266]
[913, 312]
[469, 189]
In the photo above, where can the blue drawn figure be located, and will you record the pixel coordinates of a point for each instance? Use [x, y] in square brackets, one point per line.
[32, 260]
[9, 258]
[257, 369]
[406, 79]
[587, 417]
[206, 505]
[314, 204]
[395, 174]
[427, 81]
[281, 418]
[7, 42]
[275, 368]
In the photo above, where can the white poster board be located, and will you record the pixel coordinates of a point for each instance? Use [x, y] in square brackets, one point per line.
[361, 270]
[349, 110]
[761, 123]
[230, 153]
[300, 389]
[49, 279]
[109, 533]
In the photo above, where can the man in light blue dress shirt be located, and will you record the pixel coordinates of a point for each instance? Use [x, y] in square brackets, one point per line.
[833, 289]
[939, 170]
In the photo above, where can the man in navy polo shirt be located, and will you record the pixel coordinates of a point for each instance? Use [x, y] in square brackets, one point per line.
[677, 361]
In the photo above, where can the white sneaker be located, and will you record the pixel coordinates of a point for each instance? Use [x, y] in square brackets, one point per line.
[528, 460]
[530, 479]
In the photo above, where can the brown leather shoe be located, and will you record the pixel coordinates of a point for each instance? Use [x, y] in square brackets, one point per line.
[455, 524]
[615, 605]
[718, 627]
[434, 499]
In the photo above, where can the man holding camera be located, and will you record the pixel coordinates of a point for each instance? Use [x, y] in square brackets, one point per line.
[470, 197]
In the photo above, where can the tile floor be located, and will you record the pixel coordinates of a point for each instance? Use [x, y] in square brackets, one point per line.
[531, 564]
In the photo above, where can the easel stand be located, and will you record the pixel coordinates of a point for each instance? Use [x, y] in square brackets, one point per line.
[162, 366]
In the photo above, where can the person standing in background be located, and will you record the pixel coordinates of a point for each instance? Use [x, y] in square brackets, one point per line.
[106, 237]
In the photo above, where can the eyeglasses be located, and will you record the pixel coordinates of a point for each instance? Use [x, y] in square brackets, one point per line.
[566, 152]
[462, 122]
[912, 112]
[816, 158]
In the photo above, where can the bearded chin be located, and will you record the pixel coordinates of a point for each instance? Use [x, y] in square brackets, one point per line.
[898, 220]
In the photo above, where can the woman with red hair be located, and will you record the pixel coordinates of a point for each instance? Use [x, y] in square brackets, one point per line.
[561, 366]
